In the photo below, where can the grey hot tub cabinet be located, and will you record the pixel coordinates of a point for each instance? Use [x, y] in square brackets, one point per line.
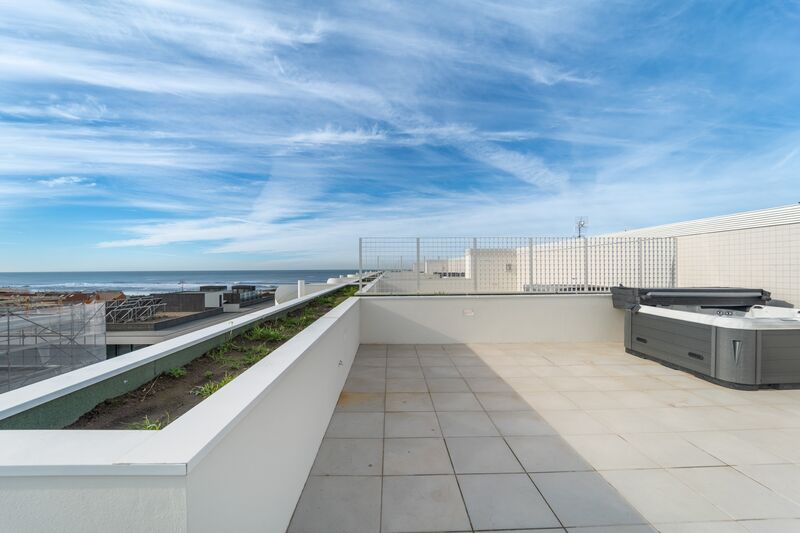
[748, 354]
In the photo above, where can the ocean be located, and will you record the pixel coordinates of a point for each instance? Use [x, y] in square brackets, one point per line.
[135, 283]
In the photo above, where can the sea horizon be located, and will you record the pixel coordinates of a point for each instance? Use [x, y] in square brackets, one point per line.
[136, 282]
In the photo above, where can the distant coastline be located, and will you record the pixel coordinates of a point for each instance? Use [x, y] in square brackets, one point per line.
[142, 282]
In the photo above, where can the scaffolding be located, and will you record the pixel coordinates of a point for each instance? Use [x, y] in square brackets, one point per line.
[134, 309]
[38, 343]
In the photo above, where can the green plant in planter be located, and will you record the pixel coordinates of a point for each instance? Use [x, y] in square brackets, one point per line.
[150, 425]
[176, 373]
[265, 333]
[211, 387]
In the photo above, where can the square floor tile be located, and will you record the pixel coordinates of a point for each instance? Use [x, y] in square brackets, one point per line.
[527, 384]
[415, 456]
[548, 530]
[436, 362]
[422, 503]
[448, 385]
[406, 385]
[670, 451]
[585, 499]
[403, 362]
[441, 372]
[620, 529]
[628, 420]
[408, 401]
[520, 423]
[349, 457]
[730, 449]
[736, 494]
[609, 452]
[728, 526]
[402, 350]
[369, 362]
[547, 454]
[569, 422]
[337, 504]
[466, 424]
[482, 455]
[548, 400]
[372, 349]
[455, 401]
[504, 501]
[775, 525]
[477, 372]
[353, 384]
[368, 372]
[429, 349]
[361, 401]
[355, 425]
[783, 479]
[467, 360]
[660, 497]
[489, 385]
[412, 425]
[404, 372]
[502, 401]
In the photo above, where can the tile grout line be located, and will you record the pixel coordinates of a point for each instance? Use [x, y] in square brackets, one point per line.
[452, 465]
[383, 436]
[525, 472]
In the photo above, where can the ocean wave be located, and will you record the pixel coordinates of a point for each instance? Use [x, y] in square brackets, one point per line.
[145, 283]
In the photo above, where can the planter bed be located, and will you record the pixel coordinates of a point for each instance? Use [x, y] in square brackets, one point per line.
[172, 393]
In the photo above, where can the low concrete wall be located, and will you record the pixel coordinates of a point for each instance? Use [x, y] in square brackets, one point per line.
[253, 477]
[101, 504]
[501, 319]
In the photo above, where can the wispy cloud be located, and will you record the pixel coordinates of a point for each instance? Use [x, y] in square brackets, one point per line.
[67, 181]
[287, 132]
[331, 135]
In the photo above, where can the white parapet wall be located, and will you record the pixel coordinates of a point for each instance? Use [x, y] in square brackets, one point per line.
[496, 319]
[235, 462]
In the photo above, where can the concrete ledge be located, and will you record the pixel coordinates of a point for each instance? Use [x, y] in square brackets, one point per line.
[494, 319]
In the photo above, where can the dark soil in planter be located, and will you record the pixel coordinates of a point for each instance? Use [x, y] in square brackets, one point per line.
[163, 399]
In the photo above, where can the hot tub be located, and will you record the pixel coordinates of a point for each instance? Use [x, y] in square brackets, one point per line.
[742, 345]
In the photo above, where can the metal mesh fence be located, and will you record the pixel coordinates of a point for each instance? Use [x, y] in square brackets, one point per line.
[501, 265]
[39, 343]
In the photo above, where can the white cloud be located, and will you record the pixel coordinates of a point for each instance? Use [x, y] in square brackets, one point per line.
[550, 74]
[67, 181]
[247, 129]
[331, 135]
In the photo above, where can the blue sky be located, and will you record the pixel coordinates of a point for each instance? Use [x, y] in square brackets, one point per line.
[201, 135]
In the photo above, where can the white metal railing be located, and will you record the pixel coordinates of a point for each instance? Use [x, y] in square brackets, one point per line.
[501, 265]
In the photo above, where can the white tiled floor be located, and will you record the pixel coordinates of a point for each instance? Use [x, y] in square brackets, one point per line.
[687, 455]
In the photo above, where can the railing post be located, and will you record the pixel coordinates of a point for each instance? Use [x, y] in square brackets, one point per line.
[640, 273]
[474, 264]
[674, 261]
[360, 265]
[585, 264]
[530, 265]
[418, 265]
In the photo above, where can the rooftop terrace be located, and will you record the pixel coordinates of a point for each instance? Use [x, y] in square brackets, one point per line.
[549, 437]
[476, 385]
